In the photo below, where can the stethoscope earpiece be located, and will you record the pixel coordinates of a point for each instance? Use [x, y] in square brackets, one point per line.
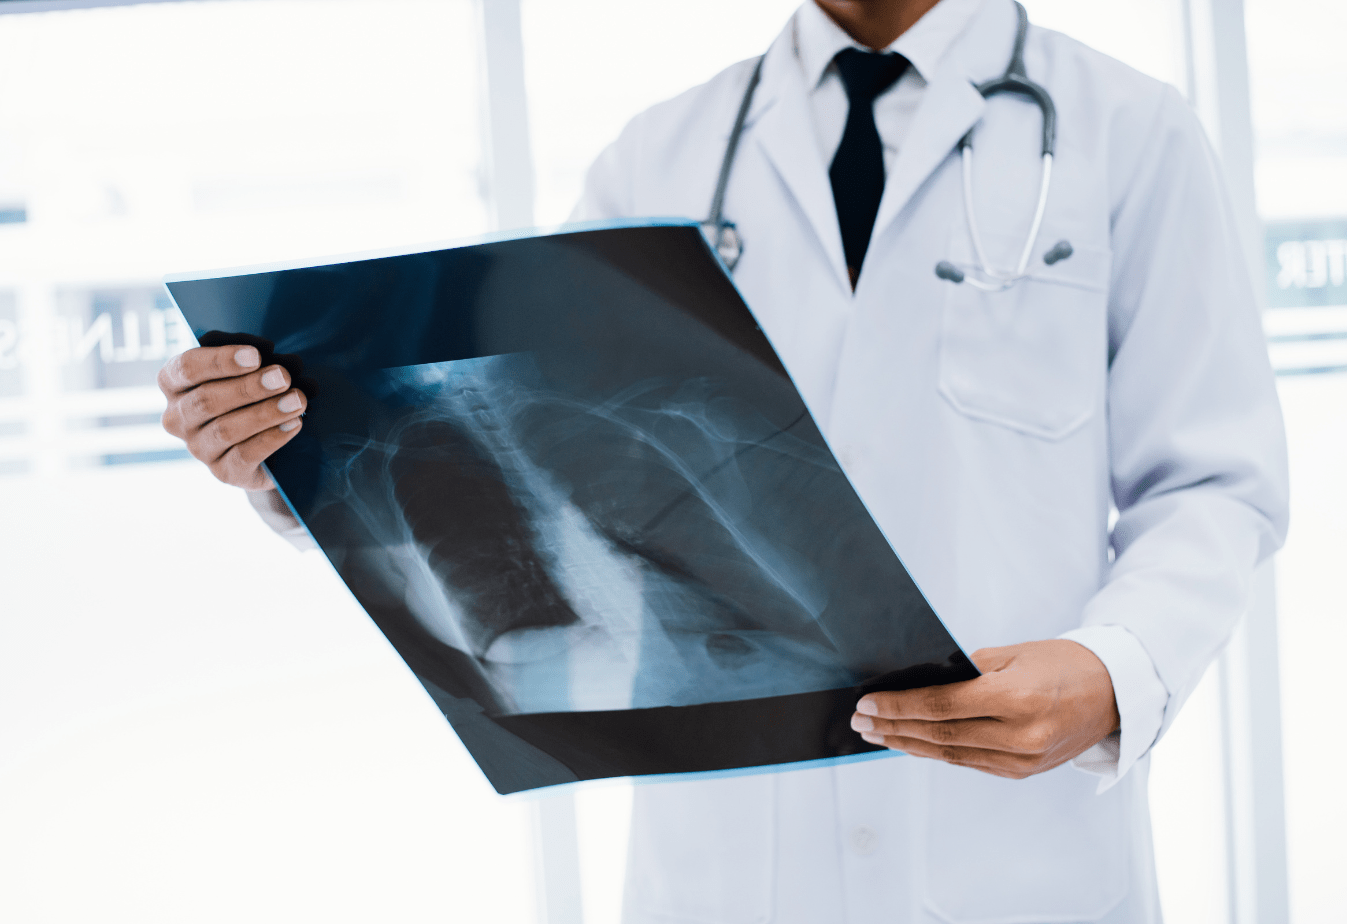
[947, 270]
[1058, 252]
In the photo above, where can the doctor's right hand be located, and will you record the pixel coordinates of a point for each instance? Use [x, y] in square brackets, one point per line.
[231, 414]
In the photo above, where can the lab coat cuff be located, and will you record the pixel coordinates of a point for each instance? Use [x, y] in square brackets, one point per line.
[274, 512]
[1141, 698]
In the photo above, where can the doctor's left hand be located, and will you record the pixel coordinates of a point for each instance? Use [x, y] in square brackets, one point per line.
[1036, 706]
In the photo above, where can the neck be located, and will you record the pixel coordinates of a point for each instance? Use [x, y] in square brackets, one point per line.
[875, 23]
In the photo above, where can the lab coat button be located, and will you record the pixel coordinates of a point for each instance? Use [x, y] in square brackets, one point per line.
[864, 840]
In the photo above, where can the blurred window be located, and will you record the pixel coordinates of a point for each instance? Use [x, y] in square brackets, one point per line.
[591, 65]
[1297, 74]
[186, 701]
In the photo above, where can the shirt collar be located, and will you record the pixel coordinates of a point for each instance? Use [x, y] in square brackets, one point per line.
[818, 39]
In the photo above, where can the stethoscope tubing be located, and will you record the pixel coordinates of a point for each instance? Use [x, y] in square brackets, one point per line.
[729, 248]
[993, 281]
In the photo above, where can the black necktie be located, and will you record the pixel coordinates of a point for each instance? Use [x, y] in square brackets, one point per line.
[857, 171]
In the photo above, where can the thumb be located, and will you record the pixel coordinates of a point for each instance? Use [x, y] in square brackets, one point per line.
[990, 660]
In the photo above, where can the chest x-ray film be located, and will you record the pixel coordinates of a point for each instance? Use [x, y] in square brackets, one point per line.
[572, 483]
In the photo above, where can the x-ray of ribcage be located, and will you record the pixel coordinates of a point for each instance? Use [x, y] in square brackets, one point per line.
[571, 482]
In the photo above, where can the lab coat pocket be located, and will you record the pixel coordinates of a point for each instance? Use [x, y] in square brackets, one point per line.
[1043, 850]
[1033, 357]
[701, 852]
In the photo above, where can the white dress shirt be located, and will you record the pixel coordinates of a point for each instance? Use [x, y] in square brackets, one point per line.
[818, 40]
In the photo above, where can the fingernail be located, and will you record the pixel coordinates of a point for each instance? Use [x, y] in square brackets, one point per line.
[873, 739]
[862, 723]
[867, 707]
[289, 425]
[273, 379]
[247, 357]
[289, 403]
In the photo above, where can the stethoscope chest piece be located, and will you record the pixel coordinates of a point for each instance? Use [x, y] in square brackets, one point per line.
[724, 239]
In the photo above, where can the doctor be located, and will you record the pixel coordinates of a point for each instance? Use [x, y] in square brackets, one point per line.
[991, 433]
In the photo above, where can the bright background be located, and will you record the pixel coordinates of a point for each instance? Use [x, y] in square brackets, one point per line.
[196, 721]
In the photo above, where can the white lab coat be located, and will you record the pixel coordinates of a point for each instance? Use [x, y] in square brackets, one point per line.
[989, 435]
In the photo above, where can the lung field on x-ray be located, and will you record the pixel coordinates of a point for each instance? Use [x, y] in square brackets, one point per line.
[649, 549]
[464, 512]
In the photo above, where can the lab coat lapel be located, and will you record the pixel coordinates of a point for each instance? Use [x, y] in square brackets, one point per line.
[785, 133]
[950, 106]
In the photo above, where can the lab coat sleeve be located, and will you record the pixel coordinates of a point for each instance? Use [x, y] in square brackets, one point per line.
[1198, 453]
[274, 512]
[664, 155]
[1140, 695]
[608, 182]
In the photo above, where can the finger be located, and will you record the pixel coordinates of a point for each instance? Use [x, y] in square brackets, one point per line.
[994, 734]
[206, 402]
[203, 364]
[967, 699]
[1015, 766]
[242, 464]
[223, 433]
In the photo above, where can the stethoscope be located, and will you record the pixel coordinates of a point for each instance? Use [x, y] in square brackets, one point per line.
[728, 244]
